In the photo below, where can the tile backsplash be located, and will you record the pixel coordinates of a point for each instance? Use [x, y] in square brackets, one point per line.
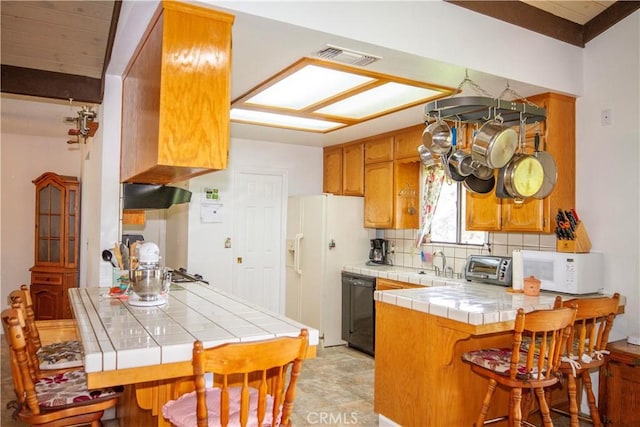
[503, 244]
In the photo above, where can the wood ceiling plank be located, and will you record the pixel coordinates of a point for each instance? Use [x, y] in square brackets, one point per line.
[72, 14]
[579, 12]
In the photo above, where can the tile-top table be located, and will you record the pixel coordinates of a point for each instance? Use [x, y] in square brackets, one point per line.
[129, 344]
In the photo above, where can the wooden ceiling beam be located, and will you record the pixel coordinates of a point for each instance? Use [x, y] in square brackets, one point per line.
[608, 18]
[49, 84]
[529, 17]
[548, 24]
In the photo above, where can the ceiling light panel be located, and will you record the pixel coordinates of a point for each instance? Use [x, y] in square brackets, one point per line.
[387, 97]
[283, 120]
[308, 86]
[322, 96]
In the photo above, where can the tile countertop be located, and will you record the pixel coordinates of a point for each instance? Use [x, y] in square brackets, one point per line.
[475, 304]
[402, 274]
[118, 335]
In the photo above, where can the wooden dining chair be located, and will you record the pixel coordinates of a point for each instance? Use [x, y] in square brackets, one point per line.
[530, 364]
[53, 357]
[586, 350]
[55, 401]
[253, 383]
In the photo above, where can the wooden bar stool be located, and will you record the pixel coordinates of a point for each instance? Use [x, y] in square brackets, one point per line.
[586, 350]
[52, 358]
[523, 366]
[55, 401]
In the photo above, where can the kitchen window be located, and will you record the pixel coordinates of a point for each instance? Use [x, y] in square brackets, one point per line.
[448, 224]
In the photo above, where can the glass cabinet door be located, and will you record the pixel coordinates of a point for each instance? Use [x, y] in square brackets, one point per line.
[72, 225]
[57, 221]
[50, 210]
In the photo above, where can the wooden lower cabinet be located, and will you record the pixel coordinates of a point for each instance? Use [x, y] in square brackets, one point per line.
[387, 284]
[420, 378]
[50, 293]
[619, 393]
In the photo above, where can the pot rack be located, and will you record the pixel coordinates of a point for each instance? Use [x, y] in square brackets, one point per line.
[480, 109]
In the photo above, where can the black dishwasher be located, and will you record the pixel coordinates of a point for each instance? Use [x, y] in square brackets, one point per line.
[358, 311]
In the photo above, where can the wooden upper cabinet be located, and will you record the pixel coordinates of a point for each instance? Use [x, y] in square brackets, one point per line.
[489, 213]
[353, 170]
[406, 143]
[378, 195]
[332, 170]
[406, 191]
[176, 97]
[378, 150]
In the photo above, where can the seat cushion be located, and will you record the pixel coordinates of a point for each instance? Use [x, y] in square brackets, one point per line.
[182, 411]
[60, 355]
[499, 361]
[70, 389]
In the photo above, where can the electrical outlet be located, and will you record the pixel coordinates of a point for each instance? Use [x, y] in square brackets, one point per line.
[606, 117]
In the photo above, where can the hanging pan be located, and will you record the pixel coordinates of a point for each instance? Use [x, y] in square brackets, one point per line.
[549, 167]
[437, 137]
[451, 163]
[478, 185]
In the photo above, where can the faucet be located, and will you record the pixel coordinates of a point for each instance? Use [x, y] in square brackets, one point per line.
[447, 271]
[444, 262]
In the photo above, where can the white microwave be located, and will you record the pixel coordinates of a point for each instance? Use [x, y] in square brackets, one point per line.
[565, 272]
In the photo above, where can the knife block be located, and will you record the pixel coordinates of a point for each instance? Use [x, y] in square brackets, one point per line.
[581, 243]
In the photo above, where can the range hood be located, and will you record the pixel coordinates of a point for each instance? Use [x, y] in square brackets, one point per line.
[148, 196]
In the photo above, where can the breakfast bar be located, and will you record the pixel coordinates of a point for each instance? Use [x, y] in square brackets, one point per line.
[421, 333]
[146, 348]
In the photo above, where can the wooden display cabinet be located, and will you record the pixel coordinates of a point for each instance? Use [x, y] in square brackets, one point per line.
[619, 392]
[175, 113]
[486, 212]
[57, 235]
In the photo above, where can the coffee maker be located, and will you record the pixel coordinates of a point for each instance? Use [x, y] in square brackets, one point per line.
[379, 252]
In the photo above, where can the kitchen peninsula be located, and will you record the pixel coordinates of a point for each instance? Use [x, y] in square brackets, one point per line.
[421, 333]
[146, 348]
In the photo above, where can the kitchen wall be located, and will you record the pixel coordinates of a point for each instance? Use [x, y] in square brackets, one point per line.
[205, 242]
[502, 244]
[24, 158]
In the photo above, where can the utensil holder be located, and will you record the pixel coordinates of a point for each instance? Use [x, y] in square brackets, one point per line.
[581, 243]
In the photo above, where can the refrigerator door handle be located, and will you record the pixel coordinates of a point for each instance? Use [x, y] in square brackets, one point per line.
[297, 254]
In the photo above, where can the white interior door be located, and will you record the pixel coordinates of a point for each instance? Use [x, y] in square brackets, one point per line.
[259, 255]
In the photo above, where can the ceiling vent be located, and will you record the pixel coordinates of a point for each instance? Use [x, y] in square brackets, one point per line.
[347, 56]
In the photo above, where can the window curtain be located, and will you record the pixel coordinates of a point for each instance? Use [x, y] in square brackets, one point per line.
[432, 179]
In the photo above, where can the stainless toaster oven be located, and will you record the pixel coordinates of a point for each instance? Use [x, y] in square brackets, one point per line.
[495, 270]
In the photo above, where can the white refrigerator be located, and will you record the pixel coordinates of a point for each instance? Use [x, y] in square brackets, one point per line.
[324, 232]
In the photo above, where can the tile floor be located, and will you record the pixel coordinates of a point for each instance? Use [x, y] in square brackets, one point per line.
[334, 389]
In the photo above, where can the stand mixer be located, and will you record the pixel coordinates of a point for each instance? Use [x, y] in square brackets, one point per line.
[148, 280]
